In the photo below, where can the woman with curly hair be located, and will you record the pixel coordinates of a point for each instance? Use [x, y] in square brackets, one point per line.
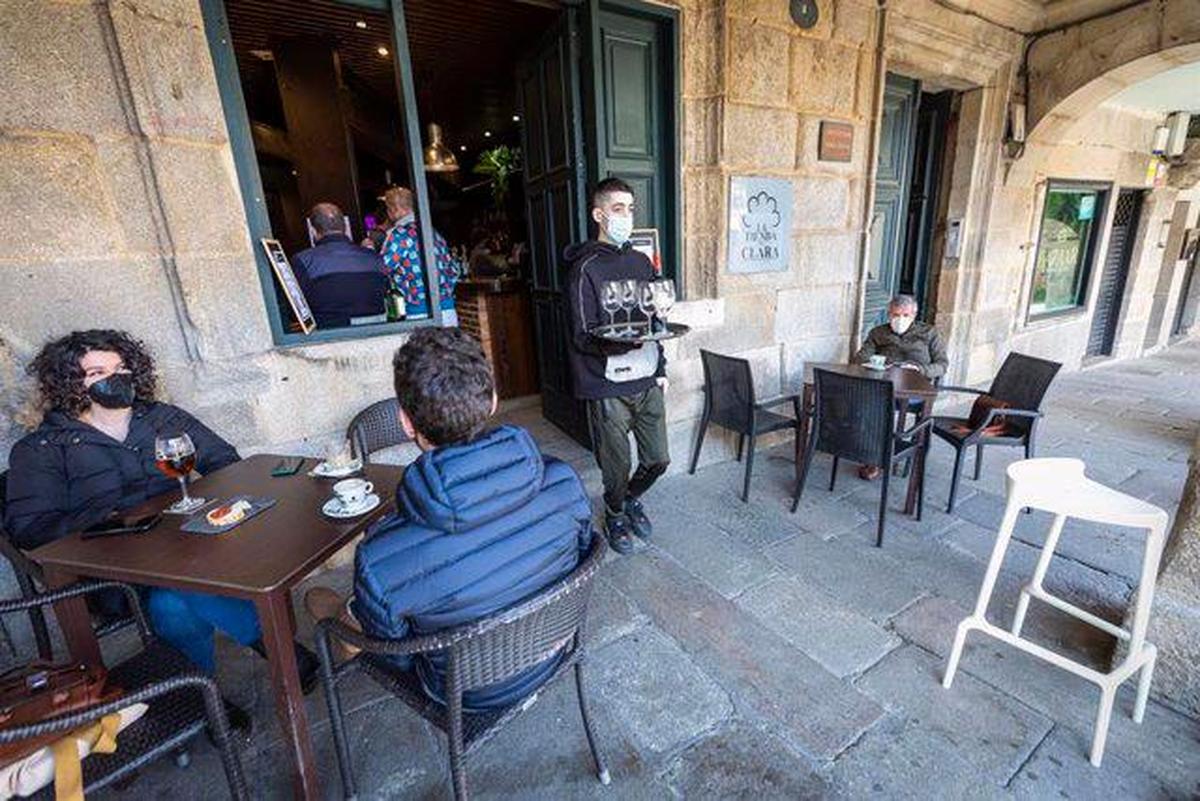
[93, 456]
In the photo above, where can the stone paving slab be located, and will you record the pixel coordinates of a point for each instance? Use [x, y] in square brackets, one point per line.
[869, 580]
[726, 562]
[820, 714]
[996, 731]
[1055, 771]
[840, 640]
[1068, 699]
[744, 762]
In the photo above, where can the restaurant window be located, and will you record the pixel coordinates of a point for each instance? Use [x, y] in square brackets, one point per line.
[1067, 241]
[321, 119]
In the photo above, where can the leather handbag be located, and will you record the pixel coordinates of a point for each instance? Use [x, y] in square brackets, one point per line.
[979, 412]
[39, 691]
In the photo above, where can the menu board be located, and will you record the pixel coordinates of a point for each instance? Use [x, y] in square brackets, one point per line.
[291, 287]
[645, 240]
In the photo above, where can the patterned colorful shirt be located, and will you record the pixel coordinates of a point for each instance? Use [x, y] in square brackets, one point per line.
[402, 262]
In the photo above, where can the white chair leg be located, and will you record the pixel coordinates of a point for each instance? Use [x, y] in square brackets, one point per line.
[960, 639]
[1039, 573]
[1144, 676]
[1107, 696]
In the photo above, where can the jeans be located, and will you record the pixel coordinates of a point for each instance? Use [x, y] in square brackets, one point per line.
[610, 421]
[188, 620]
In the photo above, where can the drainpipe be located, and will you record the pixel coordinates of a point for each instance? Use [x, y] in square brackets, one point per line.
[864, 237]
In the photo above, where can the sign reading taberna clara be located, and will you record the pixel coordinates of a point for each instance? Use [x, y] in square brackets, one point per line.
[760, 224]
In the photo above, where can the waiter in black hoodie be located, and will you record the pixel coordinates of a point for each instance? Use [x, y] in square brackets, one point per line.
[622, 384]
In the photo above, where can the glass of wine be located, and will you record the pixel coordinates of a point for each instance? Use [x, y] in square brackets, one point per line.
[610, 299]
[175, 457]
[665, 291]
[629, 301]
[647, 302]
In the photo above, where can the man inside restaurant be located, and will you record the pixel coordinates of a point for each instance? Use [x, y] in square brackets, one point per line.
[904, 341]
[401, 253]
[344, 283]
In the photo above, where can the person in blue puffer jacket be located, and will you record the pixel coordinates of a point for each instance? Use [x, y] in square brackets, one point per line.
[483, 520]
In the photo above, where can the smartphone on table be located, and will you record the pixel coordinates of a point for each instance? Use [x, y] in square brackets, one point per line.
[122, 524]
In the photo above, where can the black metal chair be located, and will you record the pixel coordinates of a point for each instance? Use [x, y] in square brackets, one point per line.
[31, 581]
[1020, 385]
[182, 703]
[857, 419]
[729, 402]
[478, 654]
[375, 428]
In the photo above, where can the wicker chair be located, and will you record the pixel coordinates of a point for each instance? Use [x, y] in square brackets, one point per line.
[481, 653]
[729, 402]
[856, 419]
[30, 579]
[375, 428]
[182, 702]
[1022, 384]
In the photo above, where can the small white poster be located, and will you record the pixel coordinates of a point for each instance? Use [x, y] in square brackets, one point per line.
[760, 224]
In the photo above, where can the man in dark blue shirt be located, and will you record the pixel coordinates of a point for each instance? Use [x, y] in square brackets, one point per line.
[343, 282]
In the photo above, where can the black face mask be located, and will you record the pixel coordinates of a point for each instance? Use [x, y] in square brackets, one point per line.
[114, 392]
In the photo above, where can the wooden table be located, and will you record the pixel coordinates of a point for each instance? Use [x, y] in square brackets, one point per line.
[260, 560]
[908, 385]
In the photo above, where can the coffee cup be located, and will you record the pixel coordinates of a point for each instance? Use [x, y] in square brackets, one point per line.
[877, 361]
[352, 491]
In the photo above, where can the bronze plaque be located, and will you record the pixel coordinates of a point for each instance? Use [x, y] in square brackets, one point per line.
[836, 141]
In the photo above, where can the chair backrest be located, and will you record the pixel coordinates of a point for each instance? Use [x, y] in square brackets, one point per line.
[375, 428]
[516, 639]
[854, 417]
[1022, 383]
[728, 391]
[24, 568]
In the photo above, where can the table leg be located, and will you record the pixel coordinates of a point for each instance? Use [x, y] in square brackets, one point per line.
[278, 623]
[802, 438]
[918, 463]
[75, 621]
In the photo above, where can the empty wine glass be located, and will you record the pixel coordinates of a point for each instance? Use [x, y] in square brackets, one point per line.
[647, 302]
[665, 291]
[175, 457]
[610, 299]
[629, 301]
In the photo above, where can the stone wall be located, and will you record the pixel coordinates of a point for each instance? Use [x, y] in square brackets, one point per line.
[1109, 145]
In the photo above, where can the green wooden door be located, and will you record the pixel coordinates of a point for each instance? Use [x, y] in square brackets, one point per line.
[633, 86]
[554, 175]
[893, 178]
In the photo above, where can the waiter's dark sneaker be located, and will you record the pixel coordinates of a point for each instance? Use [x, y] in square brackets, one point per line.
[639, 524]
[616, 529]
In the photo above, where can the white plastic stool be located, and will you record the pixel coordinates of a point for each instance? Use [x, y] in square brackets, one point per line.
[1059, 486]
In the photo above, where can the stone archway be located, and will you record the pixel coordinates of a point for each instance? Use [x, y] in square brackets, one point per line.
[1074, 70]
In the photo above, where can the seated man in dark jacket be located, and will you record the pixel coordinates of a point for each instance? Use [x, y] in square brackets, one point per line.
[93, 456]
[343, 282]
[904, 341]
[483, 519]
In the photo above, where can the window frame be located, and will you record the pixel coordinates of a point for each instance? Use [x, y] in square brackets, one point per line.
[241, 143]
[1087, 265]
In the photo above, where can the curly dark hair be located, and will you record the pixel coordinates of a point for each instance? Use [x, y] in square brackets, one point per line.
[444, 384]
[60, 376]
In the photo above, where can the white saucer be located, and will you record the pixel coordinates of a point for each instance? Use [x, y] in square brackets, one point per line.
[869, 366]
[334, 508]
[323, 470]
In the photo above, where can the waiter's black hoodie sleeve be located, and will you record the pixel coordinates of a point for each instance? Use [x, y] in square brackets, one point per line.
[591, 264]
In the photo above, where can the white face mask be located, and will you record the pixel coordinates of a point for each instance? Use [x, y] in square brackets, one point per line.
[901, 324]
[619, 228]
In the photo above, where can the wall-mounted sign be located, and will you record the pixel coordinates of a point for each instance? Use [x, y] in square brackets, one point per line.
[291, 287]
[760, 224]
[835, 142]
[645, 240]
